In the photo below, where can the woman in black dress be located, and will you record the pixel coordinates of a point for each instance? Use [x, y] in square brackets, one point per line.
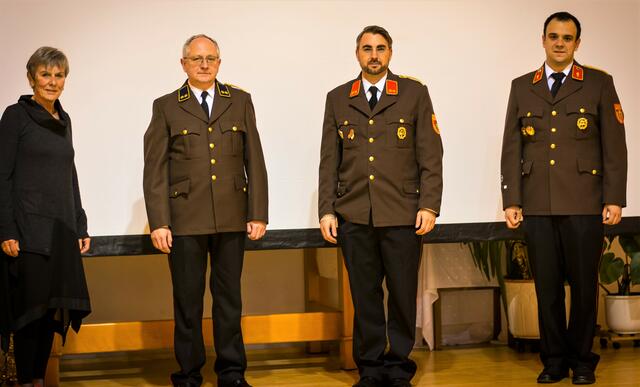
[43, 228]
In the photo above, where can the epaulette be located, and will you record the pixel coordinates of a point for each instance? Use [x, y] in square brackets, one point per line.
[223, 90]
[595, 68]
[412, 78]
[235, 87]
[538, 75]
[577, 73]
[392, 87]
[355, 88]
[184, 93]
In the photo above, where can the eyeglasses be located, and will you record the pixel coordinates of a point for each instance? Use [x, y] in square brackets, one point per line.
[200, 60]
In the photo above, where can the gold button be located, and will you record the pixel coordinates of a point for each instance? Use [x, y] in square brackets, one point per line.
[175, 193]
[552, 162]
[595, 171]
[210, 129]
[235, 128]
[212, 145]
[185, 131]
[244, 189]
[371, 139]
[213, 161]
[371, 158]
[213, 177]
[553, 130]
[371, 122]
[417, 191]
[553, 146]
[346, 123]
[402, 120]
[528, 114]
[582, 110]
[371, 177]
[554, 113]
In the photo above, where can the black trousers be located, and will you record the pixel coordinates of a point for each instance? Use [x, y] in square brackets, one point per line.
[188, 264]
[373, 254]
[32, 347]
[566, 248]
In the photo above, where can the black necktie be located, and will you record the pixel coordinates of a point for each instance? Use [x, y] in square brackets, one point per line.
[374, 97]
[558, 77]
[204, 105]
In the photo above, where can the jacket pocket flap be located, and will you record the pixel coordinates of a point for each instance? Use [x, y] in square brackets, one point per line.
[179, 188]
[581, 108]
[240, 182]
[400, 119]
[232, 126]
[590, 167]
[530, 111]
[183, 130]
[411, 187]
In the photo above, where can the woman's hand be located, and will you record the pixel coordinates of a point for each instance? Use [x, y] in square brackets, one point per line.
[85, 245]
[11, 247]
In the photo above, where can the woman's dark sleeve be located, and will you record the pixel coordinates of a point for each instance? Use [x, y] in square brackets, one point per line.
[11, 124]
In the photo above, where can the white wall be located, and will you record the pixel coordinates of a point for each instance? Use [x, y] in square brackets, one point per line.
[288, 54]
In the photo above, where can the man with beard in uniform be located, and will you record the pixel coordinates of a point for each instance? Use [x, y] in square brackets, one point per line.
[564, 171]
[379, 190]
[205, 188]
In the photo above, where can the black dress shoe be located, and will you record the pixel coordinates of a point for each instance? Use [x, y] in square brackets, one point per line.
[400, 383]
[234, 383]
[368, 381]
[548, 376]
[583, 376]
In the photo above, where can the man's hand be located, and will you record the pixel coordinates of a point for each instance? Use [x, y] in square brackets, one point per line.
[425, 220]
[162, 239]
[611, 214]
[513, 216]
[11, 247]
[256, 229]
[329, 228]
[85, 245]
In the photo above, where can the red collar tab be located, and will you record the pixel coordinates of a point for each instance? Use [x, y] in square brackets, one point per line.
[355, 88]
[577, 73]
[392, 87]
[538, 75]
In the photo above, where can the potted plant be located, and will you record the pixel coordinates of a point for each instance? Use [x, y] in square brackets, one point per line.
[622, 308]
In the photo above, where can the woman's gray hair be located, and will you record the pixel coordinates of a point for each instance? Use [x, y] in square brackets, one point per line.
[185, 46]
[47, 56]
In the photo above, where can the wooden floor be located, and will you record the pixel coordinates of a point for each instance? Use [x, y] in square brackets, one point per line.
[494, 365]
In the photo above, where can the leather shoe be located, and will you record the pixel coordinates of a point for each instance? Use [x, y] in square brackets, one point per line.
[368, 381]
[400, 383]
[583, 376]
[548, 376]
[234, 383]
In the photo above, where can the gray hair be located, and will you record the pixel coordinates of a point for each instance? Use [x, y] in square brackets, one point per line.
[47, 56]
[186, 44]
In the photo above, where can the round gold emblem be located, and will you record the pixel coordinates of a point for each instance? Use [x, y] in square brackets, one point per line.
[402, 132]
[530, 130]
[582, 123]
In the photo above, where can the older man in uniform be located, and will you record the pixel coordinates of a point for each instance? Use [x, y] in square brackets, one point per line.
[564, 170]
[205, 186]
[381, 183]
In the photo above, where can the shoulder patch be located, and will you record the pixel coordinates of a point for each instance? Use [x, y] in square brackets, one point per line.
[355, 88]
[577, 73]
[538, 75]
[434, 123]
[184, 93]
[392, 87]
[595, 68]
[235, 87]
[223, 90]
[412, 78]
[619, 113]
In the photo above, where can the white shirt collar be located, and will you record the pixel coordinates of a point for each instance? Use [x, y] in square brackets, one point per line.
[549, 71]
[198, 94]
[380, 85]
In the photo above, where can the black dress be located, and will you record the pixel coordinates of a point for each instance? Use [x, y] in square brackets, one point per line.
[40, 207]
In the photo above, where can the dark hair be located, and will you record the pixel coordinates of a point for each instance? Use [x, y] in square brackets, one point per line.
[375, 30]
[47, 56]
[562, 16]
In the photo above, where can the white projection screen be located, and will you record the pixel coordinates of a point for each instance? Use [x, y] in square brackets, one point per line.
[288, 55]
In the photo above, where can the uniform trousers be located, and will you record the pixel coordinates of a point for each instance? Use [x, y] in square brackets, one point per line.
[373, 254]
[32, 347]
[188, 264]
[566, 248]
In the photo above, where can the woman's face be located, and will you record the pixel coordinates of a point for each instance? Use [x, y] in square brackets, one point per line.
[48, 83]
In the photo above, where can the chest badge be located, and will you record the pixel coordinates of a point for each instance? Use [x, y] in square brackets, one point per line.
[352, 134]
[528, 131]
[582, 123]
[402, 133]
[341, 134]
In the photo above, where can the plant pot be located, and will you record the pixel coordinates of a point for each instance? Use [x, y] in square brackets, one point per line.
[522, 308]
[623, 313]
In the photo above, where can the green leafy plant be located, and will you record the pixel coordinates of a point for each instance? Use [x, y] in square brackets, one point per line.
[623, 270]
